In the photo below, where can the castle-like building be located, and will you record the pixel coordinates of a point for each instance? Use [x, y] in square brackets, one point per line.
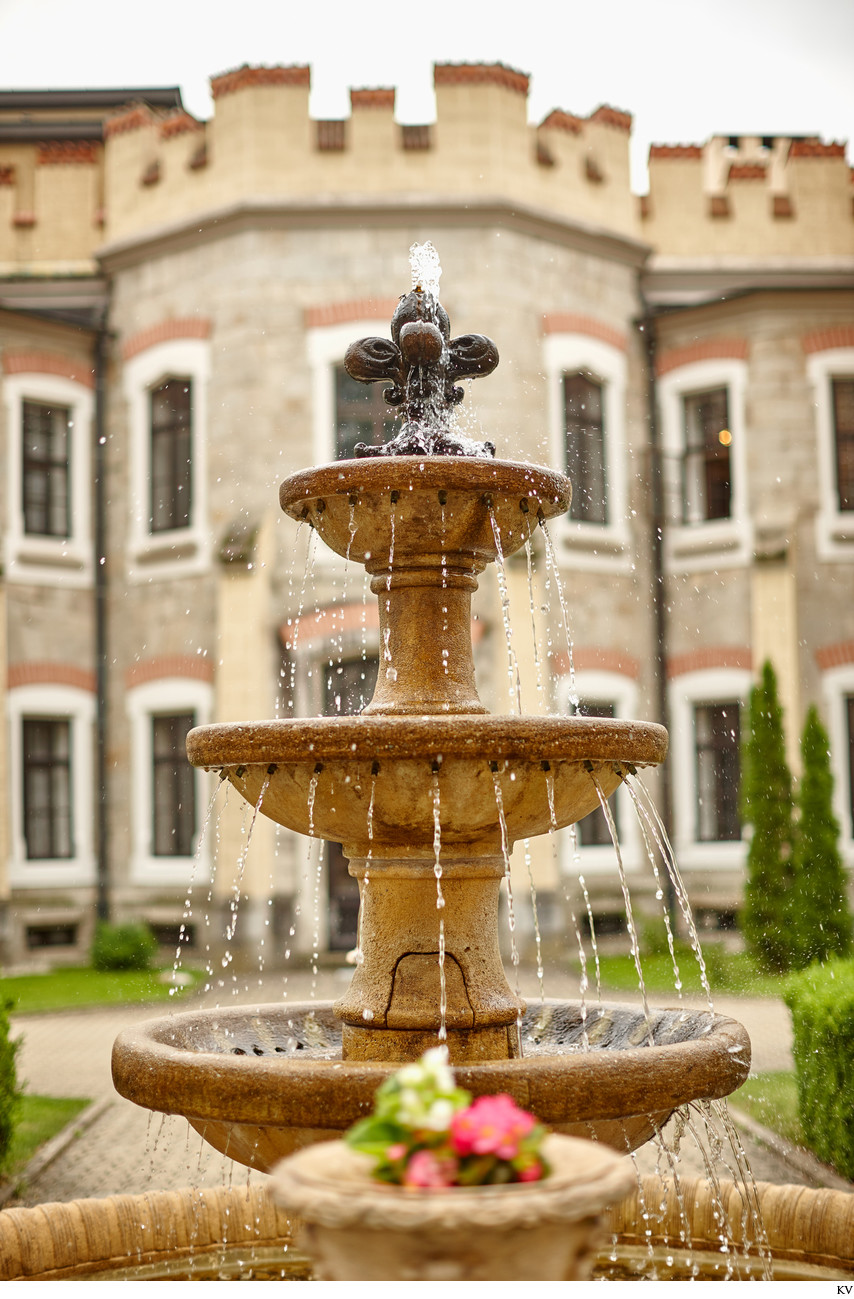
[176, 298]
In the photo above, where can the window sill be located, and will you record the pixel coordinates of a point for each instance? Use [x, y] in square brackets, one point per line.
[177, 553]
[169, 872]
[592, 545]
[44, 561]
[49, 872]
[835, 535]
[707, 545]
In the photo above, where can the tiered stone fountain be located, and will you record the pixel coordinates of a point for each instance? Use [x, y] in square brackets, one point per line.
[427, 793]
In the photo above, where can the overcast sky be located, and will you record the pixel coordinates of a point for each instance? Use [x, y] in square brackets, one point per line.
[686, 69]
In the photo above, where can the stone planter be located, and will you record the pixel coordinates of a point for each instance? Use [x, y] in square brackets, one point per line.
[356, 1229]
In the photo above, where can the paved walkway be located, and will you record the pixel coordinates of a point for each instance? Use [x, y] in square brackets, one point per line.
[128, 1150]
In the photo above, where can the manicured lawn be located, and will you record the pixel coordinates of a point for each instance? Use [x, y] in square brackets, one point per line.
[77, 986]
[728, 972]
[772, 1099]
[39, 1119]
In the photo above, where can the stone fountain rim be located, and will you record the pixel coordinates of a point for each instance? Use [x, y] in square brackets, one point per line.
[508, 737]
[279, 1092]
[552, 490]
[330, 1184]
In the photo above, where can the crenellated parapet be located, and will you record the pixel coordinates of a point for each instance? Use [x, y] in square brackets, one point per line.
[261, 143]
[750, 197]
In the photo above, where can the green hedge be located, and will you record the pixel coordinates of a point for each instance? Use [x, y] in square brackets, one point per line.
[123, 947]
[10, 1091]
[821, 999]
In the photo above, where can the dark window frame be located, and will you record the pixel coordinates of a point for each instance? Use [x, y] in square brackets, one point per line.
[707, 465]
[361, 414]
[170, 434]
[717, 745]
[48, 788]
[842, 387]
[46, 468]
[173, 786]
[586, 446]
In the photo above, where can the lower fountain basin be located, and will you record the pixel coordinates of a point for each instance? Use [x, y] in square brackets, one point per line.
[260, 1083]
[319, 776]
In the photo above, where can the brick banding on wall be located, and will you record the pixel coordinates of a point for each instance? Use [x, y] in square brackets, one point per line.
[480, 74]
[825, 340]
[711, 349]
[50, 674]
[714, 656]
[373, 97]
[748, 171]
[132, 119]
[675, 152]
[7, 174]
[558, 120]
[835, 656]
[246, 78]
[187, 327]
[179, 123]
[193, 666]
[570, 322]
[816, 149]
[49, 363]
[332, 621]
[605, 115]
[338, 313]
[53, 152]
[593, 658]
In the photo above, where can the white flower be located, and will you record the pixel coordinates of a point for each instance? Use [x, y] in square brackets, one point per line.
[439, 1116]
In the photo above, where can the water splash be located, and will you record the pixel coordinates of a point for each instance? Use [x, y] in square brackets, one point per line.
[553, 572]
[231, 927]
[511, 914]
[440, 902]
[425, 268]
[514, 681]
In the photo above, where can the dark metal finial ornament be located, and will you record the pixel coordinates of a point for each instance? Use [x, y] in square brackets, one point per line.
[423, 363]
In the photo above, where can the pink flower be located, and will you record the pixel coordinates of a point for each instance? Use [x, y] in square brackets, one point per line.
[395, 1152]
[426, 1170]
[530, 1173]
[492, 1125]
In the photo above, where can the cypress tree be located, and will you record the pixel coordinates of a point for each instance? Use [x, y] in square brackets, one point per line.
[766, 803]
[821, 915]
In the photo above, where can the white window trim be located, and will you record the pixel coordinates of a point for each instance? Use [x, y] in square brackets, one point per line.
[49, 560]
[834, 527]
[711, 686]
[598, 859]
[180, 551]
[77, 707]
[837, 684]
[592, 545]
[169, 695]
[716, 543]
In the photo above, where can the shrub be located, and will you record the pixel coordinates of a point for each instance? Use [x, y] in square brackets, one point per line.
[821, 916]
[766, 801]
[10, 1092]
[123, 947]
[821, 999]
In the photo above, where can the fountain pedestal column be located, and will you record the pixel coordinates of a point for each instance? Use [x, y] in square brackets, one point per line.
[396, 1005]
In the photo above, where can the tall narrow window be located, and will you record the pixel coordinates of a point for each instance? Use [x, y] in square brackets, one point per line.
[593, 830]
[48, 828]
[361, 414]
[717, 738]
[585, 448]
[171, 455]
[843, 430]
[706, 463]
[174, 786]
[46, 469]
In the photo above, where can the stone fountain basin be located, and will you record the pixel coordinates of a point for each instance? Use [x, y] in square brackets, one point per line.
[448, 501]
[318, 774]
[260, 1083]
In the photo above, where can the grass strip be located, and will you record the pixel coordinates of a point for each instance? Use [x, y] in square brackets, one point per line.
[40, 1118]
[76, 987]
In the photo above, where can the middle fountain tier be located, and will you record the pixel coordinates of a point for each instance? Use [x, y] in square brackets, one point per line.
[427, 793]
